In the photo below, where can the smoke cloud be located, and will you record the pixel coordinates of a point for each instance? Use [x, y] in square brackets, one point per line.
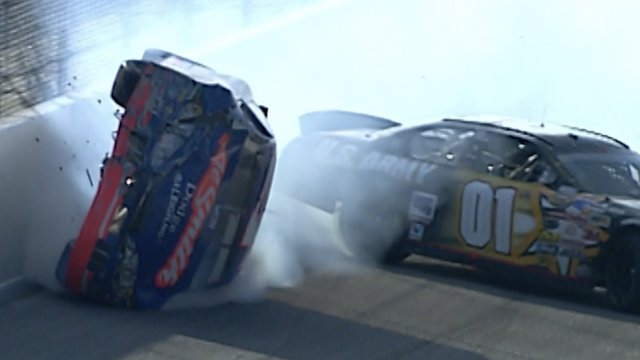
[294, 240]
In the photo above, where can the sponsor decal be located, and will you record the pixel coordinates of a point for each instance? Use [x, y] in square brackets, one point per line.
[422, 207]
[333, 152]
[416, 231]
[589, 212]
[570, 250]
[203, 200]
[583, 211]
[549, 236]
[179, 199]
[400, 168]
[560, 254]
[564, 264]
[599, 220]
[564, 243]
[571, 232]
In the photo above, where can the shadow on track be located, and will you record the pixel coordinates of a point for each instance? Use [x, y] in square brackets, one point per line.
[52, 326]
[527, 290]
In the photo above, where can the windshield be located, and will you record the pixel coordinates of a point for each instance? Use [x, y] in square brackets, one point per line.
[610, 174]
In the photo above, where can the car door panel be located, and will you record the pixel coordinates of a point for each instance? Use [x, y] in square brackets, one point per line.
[488, 216]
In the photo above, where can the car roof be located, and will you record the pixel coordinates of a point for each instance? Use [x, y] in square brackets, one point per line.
[562, 138]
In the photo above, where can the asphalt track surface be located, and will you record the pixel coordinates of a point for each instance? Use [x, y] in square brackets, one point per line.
[420, 310]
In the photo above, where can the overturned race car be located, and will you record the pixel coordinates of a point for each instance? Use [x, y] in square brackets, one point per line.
[507, 195]
[183, 192]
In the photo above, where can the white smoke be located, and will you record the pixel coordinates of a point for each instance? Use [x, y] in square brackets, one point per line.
[63, 158]
[570, 62]
[60, 154]
[294, 240]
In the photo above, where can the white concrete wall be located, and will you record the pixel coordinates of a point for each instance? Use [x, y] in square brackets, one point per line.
[46, 157]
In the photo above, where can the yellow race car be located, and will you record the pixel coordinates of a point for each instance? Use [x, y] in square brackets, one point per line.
[497, 193]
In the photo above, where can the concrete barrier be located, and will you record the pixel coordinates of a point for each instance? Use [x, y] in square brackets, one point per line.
[49, 172]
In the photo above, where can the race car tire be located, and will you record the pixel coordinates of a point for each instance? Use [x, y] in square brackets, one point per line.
[372, 232]
[623, 272]
[127, 78]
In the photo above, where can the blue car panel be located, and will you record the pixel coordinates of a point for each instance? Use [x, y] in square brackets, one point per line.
[187, 180]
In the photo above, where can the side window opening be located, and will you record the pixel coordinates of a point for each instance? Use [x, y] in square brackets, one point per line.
[483, 152]
[430, 143]
[487, 152]
[443, 144]
[535, 169]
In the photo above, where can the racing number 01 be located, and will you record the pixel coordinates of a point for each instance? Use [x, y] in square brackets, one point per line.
[478, 218]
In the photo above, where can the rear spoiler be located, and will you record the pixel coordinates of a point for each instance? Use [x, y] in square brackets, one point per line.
[335, 120]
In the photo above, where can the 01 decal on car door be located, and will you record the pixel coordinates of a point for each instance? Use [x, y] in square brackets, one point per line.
[499, 218]
[487, 213]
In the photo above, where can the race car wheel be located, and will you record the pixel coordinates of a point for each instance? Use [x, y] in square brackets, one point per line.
[125, 83]
[372, 233]
[623, 272]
